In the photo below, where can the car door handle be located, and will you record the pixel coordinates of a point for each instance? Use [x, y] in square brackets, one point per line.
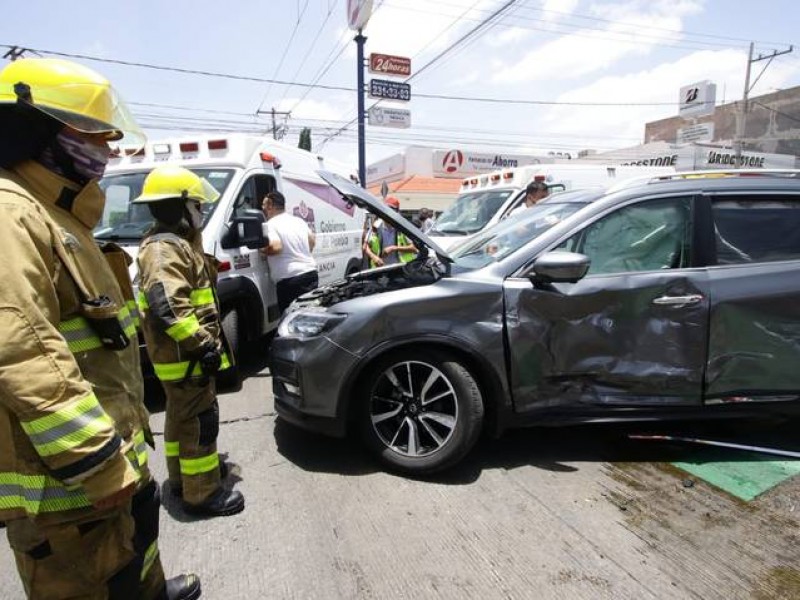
[678, 300]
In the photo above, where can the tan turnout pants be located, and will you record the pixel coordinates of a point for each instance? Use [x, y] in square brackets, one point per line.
[190, 436]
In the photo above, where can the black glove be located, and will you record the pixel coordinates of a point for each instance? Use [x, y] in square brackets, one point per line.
[210, 361]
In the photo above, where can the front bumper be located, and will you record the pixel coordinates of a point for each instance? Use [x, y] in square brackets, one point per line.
[309, 377]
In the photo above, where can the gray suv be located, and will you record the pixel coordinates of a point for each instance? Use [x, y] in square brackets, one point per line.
[676, 297]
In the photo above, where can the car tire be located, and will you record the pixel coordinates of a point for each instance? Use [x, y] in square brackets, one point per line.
[427, 425]
[230, 378]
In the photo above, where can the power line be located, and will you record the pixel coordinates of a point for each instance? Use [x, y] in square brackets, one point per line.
[638, 26]
[776, 111]
[283, 57]
[335, 87]
[127, 63]
[308, 52]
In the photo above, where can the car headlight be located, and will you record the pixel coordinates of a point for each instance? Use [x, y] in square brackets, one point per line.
[307, 323]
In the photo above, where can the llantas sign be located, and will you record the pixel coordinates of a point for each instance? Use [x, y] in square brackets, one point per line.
[386, 64]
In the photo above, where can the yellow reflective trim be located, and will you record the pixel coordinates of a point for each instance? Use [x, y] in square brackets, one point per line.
[197, 466]
[140, 447]
[149, 558]
[75, 324]
[62, 416]
[225, 362]
[184, 328]
[70, 441]
[38, 494]
[175, 371]
[172, 448]
[142, 302]
[202, 296]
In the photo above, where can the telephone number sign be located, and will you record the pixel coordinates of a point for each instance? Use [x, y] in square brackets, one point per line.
[389, 90]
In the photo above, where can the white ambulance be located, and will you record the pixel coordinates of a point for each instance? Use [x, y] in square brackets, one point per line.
[483, 200]
[242, 169]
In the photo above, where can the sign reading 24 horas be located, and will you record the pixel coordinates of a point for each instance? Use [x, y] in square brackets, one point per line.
[389, 90]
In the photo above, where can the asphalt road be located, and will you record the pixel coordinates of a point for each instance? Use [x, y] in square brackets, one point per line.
[541, 513]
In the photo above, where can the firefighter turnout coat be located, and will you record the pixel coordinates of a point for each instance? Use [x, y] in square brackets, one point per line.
[177, 299]
[72, 420]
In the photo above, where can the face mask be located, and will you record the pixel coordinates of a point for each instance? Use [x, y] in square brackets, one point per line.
[89, 159]
[194, 215]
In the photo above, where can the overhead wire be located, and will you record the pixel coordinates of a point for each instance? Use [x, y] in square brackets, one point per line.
[638, 26]
[310, 49]
[444, 52]
[285, 52]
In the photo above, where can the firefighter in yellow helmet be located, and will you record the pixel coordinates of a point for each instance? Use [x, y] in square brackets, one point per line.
[181, 324]
[78, 500]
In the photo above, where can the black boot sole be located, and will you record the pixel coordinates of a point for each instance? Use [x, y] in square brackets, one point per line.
[199, 511]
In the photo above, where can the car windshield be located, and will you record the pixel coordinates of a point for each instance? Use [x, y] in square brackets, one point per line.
[510, 234]
[470, 212]
[124, 220]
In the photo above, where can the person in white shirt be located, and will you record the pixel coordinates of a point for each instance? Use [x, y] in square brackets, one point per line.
[291, 243]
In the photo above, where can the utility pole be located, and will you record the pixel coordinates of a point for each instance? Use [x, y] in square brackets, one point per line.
[277, 132]
[15, 52]
[741, 122]
[362, 152]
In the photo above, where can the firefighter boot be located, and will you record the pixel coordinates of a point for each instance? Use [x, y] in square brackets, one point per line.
[221, 503]
[176, 489]
[183, 587]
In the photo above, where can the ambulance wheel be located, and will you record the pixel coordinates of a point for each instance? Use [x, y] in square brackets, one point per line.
[231, 378]
[354, 266]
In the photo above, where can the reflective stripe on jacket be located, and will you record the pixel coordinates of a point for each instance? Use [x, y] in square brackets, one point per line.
[178, 303]
[70, 409]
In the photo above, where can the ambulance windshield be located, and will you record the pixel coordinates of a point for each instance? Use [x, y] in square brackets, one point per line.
[470, 212]
[123, 220]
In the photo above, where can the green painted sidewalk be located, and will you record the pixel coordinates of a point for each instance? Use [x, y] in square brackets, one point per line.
[745, 475]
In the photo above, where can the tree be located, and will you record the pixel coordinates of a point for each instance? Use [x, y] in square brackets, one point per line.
[305, 139]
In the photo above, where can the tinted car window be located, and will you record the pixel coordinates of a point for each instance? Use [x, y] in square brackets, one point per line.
[647, 236]
[761, 229]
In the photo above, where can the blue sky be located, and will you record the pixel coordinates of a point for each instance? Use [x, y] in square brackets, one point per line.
[578, 51]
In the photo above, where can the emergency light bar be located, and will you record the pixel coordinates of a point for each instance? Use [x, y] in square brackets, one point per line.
[189, 147]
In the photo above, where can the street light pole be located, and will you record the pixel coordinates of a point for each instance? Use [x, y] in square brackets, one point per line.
[362, 158]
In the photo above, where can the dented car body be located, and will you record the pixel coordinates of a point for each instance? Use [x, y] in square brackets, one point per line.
[678, 297]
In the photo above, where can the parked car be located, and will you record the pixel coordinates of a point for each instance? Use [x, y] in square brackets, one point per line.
[677, 297]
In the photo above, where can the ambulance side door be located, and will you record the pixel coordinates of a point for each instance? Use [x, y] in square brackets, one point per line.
[253, 263]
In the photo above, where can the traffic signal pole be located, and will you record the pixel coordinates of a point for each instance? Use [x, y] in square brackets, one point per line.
[362, 158]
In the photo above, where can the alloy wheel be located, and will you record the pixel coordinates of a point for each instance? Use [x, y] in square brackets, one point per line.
[413, 408]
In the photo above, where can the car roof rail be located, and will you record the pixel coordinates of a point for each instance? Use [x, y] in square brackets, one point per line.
[726, 173]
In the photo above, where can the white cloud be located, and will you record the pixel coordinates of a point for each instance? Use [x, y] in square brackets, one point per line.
[557, 9]
[637, 28]
[419, 25]
[660, 84]
[311, 109]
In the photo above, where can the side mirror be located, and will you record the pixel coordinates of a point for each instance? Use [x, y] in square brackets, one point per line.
[559, 267]
[245, 229]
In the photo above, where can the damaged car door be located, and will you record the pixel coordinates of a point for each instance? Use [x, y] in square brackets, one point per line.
[631, 332]
[754, 341]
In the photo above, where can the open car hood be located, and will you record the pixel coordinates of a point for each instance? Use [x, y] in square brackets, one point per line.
[363, 199]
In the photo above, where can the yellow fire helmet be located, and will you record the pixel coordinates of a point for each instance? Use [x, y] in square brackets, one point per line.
[72, 94]
[171, 181]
